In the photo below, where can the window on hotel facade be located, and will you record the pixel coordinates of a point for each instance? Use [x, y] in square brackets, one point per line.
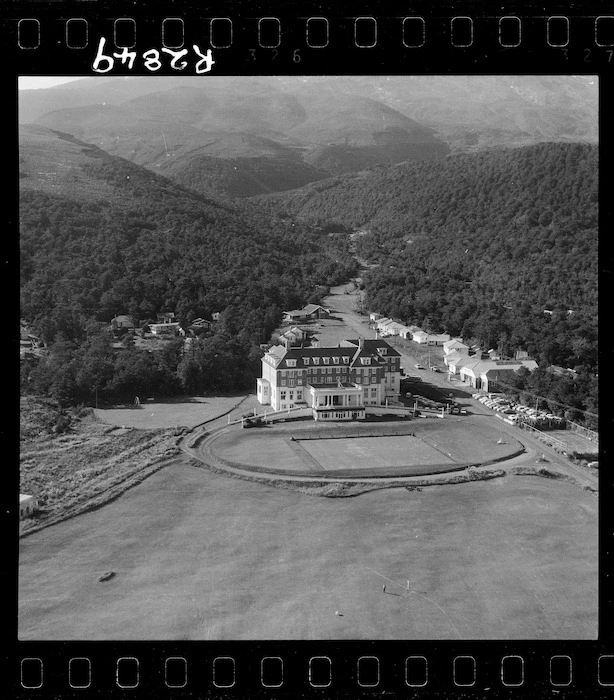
[305, 360]
[365, 360]
[366, 392]
[373, 392]
[316, 360]
[282, 395]
[346, 360]
[336, 360]
[326, 360]
[291, 363]
[299, 395]
[291, 382]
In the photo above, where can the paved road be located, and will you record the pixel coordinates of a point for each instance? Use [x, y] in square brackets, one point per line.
[343, 300]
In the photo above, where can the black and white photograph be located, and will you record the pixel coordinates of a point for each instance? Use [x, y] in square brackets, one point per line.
[308, 357]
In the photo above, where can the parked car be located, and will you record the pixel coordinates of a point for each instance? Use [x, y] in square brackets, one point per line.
[419, 366]
[434, 369]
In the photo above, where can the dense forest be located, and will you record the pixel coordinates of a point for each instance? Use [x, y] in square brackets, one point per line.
[150, 247]
[478, 245]
[498, 247]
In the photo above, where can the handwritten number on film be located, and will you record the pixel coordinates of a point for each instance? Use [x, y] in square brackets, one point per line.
[103, 63]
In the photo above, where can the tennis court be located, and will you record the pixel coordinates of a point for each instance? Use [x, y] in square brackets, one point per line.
[375, 452]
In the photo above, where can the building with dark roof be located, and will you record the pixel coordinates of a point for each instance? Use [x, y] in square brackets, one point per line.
[335, 382]
[307, 313]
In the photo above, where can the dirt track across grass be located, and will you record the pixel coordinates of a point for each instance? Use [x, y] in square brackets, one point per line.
[201, 556]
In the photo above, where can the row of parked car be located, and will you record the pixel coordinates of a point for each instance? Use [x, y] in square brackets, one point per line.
[499, 404]
[518, 412]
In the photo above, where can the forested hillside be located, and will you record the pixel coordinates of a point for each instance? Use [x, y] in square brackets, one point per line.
[499, 246]
[103, 236]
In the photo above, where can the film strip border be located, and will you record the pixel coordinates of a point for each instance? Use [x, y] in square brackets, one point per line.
[298, 43]
[291, 673]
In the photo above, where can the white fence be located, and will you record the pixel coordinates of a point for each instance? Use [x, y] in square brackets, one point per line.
[273, 415]
[589, 434]
[544, 437]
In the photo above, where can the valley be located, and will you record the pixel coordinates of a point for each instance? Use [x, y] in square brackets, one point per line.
[194, 252]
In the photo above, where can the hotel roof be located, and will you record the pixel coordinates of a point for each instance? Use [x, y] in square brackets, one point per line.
[349, 348]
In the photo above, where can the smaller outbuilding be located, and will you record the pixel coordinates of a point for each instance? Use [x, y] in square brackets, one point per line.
[166, 329]
[454, 345]
[123, 322]
[307, 313]
[27, 505]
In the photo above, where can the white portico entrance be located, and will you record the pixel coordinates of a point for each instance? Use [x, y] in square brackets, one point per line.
[343, 401]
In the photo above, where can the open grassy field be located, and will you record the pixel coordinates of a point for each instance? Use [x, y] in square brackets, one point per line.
[168, 414]
[201, 556]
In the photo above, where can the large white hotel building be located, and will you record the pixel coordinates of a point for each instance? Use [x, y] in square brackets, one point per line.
[335, 382]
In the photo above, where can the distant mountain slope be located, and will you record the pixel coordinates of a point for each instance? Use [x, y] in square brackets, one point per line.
[474, 112]
[466, 111]
[101, 236]
[275, 140]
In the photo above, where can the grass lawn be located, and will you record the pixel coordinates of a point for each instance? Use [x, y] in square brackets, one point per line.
[201, 556]
[169, 414]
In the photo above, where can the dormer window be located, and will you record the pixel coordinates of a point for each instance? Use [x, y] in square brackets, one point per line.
[346, 360]
[326, 360]
[382, 351]
[365, 360]
[291, 363]
[336, 360]
[305, 360]
[316, 360]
